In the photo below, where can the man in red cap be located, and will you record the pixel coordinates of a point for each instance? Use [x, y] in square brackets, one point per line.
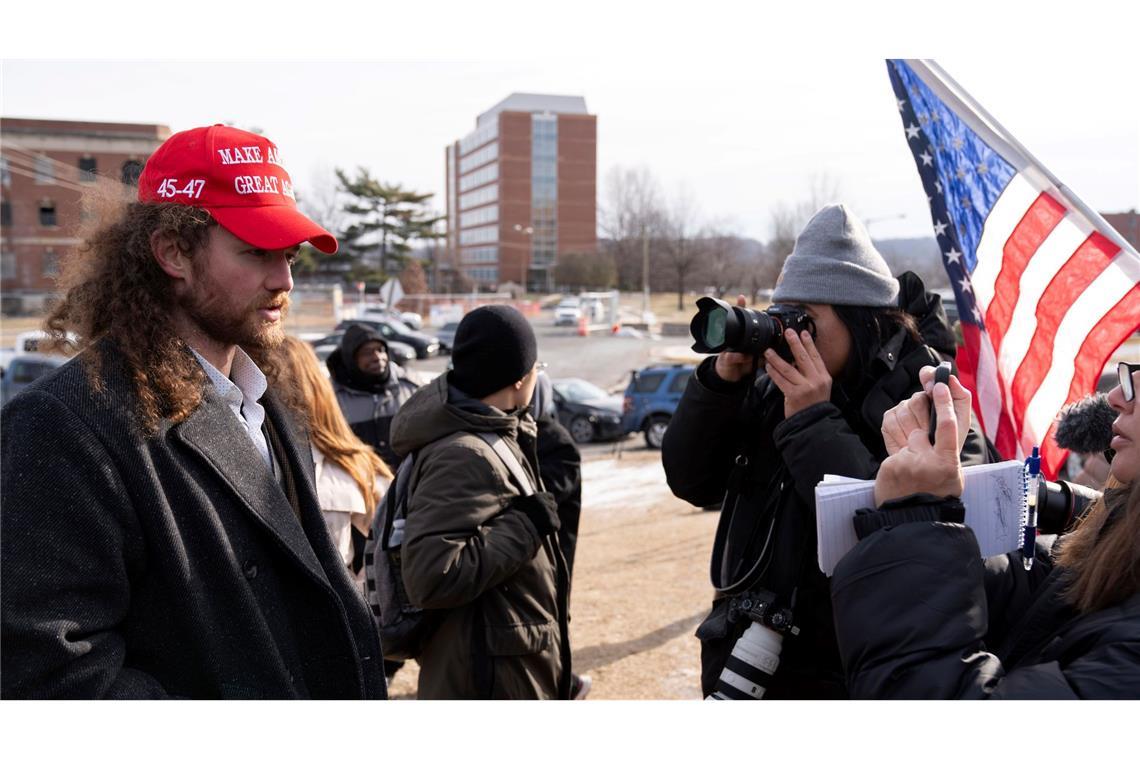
[161, 532]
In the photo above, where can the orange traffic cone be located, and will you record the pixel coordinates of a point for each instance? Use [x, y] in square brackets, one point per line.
[583, 326]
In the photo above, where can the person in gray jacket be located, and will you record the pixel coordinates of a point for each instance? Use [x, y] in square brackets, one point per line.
[370, 388]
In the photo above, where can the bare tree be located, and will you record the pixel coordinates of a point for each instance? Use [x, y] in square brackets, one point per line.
[788, 219]
[682, 251]
[321, 200]
[631, 214]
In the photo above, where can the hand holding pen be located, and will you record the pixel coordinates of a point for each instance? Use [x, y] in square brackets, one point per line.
[915, 465]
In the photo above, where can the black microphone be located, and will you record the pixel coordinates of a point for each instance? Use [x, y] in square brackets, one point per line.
[1085, 426]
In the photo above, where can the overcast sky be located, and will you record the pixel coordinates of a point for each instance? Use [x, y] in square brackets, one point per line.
[740, 127]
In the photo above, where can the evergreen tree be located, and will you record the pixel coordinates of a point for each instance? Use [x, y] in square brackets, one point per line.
[386, 219]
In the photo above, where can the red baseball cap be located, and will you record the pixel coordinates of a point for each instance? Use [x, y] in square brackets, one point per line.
[238, 178]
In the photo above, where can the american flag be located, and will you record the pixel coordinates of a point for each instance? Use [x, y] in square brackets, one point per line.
[1046, 289]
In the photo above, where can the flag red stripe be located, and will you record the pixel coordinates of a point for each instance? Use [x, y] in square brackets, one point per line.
[1004, 437]
[1090, 259]
[1100, 344]
[1039, 220]
[967, 363]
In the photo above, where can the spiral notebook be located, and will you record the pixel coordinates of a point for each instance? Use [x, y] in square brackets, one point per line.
[994, 497]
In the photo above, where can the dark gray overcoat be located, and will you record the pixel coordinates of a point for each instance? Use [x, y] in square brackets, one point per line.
[168, 565]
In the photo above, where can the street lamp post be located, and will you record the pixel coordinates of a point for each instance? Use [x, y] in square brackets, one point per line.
[529, 232]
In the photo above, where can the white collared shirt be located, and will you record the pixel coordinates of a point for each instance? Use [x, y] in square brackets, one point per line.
[242, 395]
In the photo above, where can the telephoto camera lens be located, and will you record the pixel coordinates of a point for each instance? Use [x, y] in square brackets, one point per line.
[1061, 504]
[749, 669]
[719, 326]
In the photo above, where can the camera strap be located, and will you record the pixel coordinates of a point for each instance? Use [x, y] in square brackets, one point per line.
[721, 567]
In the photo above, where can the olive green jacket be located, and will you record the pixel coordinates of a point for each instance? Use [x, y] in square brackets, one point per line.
[504, 589]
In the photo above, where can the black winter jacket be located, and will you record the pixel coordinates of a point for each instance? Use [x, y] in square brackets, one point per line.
[781, 462]
[920, 615]
[139, 566]
[560, 466]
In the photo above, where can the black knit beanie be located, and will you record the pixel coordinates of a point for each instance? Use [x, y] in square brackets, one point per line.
[494, 347]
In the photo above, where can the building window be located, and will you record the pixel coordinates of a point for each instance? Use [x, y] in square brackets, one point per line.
[7, 265]
[484, 215]
[479, 177]
[45, 172]
[5, 213]
[483, 254]
[479, 197]
[544, 189]
[47, 213]
[479, 157]
[5, 173]
[483, 134]
[87, 169]
[475, 235]
[131, 171]
[50, 263]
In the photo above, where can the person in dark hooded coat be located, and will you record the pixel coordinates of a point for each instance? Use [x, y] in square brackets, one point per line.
[758, 435]
[919, 614]
[370, 388]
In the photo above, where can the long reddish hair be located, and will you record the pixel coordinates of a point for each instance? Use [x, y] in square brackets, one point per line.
[309, 393]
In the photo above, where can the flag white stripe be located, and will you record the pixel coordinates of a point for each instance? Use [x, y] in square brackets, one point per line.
[1006, 214]
[989, 395]
[1099, 298]
[1054, 252]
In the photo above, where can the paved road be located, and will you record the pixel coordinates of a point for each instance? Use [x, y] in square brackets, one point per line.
[600, 358]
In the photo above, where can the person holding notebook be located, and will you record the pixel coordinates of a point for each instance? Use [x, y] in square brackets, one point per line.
[919, 614]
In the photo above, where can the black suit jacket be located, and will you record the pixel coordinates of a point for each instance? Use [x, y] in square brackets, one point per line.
[170, 564]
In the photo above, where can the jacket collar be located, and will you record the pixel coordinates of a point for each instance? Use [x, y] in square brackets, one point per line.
[891, 351]
[213, 434]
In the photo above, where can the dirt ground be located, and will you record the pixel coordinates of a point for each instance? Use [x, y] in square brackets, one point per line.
[640, 581]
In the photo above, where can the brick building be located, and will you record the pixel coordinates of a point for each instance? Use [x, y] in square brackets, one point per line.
[522, 190]
[47, 169]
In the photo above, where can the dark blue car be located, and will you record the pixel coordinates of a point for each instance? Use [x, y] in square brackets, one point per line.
[651, 398]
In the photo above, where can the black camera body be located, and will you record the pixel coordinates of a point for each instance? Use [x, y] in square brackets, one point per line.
[718, 326]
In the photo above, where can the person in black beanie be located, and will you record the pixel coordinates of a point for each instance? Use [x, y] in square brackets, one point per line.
[481, 545]
[369, 387]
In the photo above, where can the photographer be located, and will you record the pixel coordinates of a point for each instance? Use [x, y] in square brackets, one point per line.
[920, 615]
[758, 434]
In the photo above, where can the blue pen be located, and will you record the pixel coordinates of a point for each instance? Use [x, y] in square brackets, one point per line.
[1029, 542]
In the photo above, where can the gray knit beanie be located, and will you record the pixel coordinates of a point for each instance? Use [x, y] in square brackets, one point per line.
[834, 262]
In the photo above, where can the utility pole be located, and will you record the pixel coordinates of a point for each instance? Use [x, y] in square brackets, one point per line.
[644, 270]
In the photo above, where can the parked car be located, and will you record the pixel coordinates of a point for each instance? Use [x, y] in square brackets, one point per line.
[567, 312]
[446, 337]
[425, 345]
[587, 411]
[410, 319]
[651, 398]
[25, 369]
[33, 341]
[401, 353]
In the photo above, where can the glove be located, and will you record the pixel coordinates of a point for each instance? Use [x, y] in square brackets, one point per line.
[541, 509]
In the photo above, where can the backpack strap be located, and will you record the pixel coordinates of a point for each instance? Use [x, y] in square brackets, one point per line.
[522, 479]
[394, 505]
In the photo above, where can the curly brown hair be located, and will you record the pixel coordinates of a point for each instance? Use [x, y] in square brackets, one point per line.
[113, 289]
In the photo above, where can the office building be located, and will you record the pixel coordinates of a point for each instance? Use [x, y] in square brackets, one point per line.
[522, 190]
